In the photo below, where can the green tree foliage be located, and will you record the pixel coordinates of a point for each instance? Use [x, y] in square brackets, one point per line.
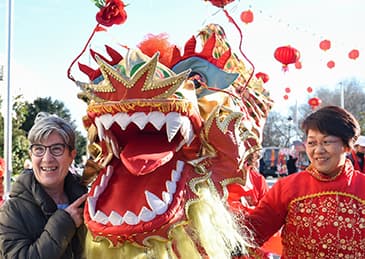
[19, 139]
[45, 105]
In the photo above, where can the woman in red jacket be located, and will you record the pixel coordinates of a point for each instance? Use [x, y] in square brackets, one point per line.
[320, 210]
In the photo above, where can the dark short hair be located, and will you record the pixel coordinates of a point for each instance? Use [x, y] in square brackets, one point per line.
[335, 121]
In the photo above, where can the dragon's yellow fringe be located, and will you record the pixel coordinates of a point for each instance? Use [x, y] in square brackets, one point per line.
[210, 228]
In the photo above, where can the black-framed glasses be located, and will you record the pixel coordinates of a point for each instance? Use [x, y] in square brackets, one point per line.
[56, 149]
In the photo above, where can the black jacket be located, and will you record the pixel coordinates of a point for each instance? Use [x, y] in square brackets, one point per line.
[31, 226]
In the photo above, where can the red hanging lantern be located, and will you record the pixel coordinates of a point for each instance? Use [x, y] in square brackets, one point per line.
[298, 65]
[325, 45]
[287, 90]
[286, 55]
[354, 54]
[247, 16]
[220, 3]
[286, 97]
[264, 77]
[309, 89]
[331, 64]
[314, 102]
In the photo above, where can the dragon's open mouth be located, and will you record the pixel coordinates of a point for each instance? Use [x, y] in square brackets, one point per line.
[156, 205]
[145, 141]
[143, 185]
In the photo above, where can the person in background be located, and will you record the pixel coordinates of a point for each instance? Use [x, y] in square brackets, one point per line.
[321, 209]
[27, 165]
[43, 216]
[357, 155]
[291, 164]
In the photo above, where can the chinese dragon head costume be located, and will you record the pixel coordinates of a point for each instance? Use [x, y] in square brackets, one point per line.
[168, 132]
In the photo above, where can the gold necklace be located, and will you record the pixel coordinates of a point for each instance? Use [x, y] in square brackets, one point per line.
[321, 177]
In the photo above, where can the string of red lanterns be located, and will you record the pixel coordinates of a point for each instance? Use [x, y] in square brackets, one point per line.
[287, 55]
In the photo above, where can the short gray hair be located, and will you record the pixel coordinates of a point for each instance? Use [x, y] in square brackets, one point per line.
[45, 124]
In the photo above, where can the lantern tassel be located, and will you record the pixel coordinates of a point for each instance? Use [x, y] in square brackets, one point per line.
[285, 68]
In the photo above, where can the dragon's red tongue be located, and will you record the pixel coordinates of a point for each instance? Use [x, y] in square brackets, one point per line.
[143, 154]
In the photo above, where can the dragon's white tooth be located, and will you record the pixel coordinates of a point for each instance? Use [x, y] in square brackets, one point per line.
[114, 144]
[115, 218]
[173, 124]
[167, 197]
[91, 203]
[179, 166]
[99, 126]
[106, 120]
[192, 137]
[140, 119]
[175, 175]
[157, 119]
[101, 217]
[156, 204]
[102, 187]
[184, 127]
[115, 149]
[171, 187]
[130, 218]
[109, 171]
[103, 181]
[181, 144]
[122, 119]
[146, 215]
[97, 191]
[186, 130]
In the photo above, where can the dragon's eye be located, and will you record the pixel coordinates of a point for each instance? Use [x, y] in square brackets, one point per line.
[197, 79]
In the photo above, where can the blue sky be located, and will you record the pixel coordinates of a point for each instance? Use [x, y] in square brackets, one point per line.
[48, 35]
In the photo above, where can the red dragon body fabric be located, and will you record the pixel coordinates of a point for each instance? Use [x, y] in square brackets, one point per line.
[164, 142]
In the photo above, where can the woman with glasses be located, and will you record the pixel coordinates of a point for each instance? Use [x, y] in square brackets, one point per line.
[43, 216]
[321, 210]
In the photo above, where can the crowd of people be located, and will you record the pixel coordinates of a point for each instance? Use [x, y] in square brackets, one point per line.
[317, 212]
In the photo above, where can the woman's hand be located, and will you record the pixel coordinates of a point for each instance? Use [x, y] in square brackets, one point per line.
[75, 211]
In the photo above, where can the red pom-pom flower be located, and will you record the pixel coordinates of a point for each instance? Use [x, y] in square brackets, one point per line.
[111, 13]
[220, 3]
